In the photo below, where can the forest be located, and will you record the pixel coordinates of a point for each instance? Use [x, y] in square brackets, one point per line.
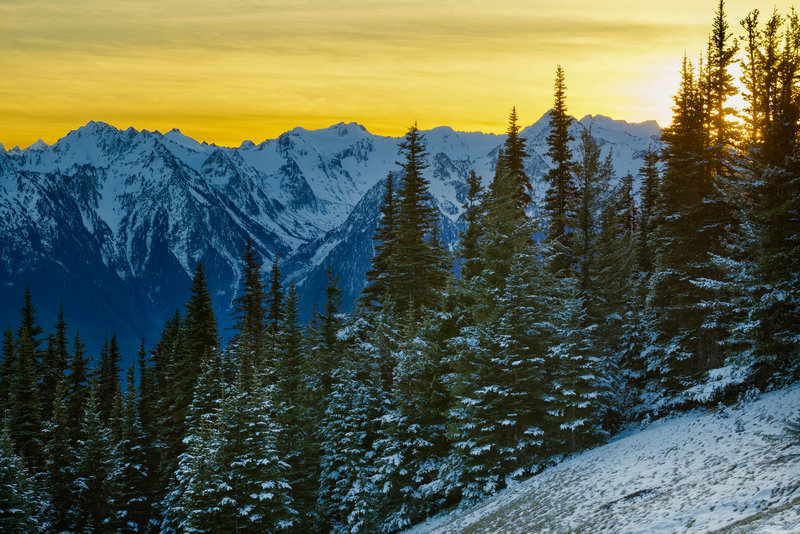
[552, 326]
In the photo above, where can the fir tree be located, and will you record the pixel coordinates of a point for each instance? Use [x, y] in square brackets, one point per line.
[8, 366]
[54, 365]
[250, 317]
[95, 465]
[24, 396]
[560, 199]
[60, 463]
[77, 391]
[469, 252]
[418, 264]
[22, 504]
[108, 386]
[129, 478]
[380, 275]
[648, 214]
[274, 300]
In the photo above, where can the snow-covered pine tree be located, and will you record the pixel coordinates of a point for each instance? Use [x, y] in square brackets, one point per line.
[23, 506]
[129, 478]
[24, 397]
[561, 197]
[578, 394]
[60, 463]
[96, 462]
[54, 365]
[194, 502]
[108, 385]
[620, 336]
[254, 495]
[380, 275]
[350, 496]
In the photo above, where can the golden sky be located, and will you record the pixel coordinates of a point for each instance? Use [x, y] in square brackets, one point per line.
[226, 71]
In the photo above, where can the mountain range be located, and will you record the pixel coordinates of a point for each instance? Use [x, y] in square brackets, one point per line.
[112, 223]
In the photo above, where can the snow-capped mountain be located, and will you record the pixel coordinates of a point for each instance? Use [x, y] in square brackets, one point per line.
[113, 222]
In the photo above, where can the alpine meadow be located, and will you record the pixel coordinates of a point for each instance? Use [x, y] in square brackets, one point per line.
[341, 332]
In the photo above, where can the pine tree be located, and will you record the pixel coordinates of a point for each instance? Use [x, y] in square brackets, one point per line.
[95, 465]
[60, 462]
[380, 275]
[773, 166]
[579, 391]
[325, 347]
[418, 265]
[254, 493]
[8, 366]
[77, 391]
[349, 496]
[648, 215]
[54, 365]
[250, 317]
[561, 196]
[469, 251]
[274, 300]
[681, 243]
[129, 478]
[592, 176]
[505, 218]
[24, 396]
[108, 386]
[195, 501]
[621, 285]
[22, 504]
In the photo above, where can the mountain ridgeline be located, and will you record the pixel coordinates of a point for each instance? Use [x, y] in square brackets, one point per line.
[113, 223]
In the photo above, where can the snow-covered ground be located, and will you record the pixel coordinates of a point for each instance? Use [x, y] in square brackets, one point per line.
[727, 470]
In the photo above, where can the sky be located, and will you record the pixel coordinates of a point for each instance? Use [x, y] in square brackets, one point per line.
[225, 72]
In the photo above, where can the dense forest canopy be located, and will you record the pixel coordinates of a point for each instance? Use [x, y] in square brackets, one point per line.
[547, 330]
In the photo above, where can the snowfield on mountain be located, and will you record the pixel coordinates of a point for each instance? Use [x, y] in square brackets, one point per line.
[731, 469]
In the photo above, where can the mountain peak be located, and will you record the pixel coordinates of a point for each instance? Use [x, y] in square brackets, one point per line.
[38, 145]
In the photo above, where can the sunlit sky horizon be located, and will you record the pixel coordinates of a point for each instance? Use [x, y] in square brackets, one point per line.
[225, 72]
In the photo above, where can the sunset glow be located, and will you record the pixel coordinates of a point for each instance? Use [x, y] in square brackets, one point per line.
[224, 72]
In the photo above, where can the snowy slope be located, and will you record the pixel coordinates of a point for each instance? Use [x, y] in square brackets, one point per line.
[719, 471]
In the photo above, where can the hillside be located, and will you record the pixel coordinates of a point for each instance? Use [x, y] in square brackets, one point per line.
[718, 471]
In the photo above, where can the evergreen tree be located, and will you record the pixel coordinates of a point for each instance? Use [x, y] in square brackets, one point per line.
[61, 462]
[195, 501]
[349, 497]
[108, 386]
[469, 251]
[254, 493]
[274, 300]
[681, 243]
[648, 214]
[592, 176]
[54, 365]
[380, 275]
[129, 478]
[579, 392]
[418, 260]
[77, 391]
[250, 316]
[325, 347]
[7, 368]
[505, 216]
[24, 396]
[22, 505]
[95, 465]
[561, 196]
[773, 166]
